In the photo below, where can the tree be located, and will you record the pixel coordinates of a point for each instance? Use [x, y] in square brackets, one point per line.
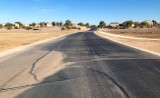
[42, 24]
[80, 24]
[87, 25]
[136, 24]
[144, 24]
[1, 26]
[155, 23]
[33, 24]
[53, 23]
[68, 23]
[9, 26]
[93, 26]
[128, 24]
[60, 23]
[57, 23]
[20, 24]
[102, 24]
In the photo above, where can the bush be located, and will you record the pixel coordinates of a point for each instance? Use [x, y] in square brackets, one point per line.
[79, 28]
[9, 26]
[28, 28]
[63, 28]
[74, 27]
[1, 26]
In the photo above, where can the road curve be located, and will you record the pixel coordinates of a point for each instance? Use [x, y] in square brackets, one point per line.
[81, 65]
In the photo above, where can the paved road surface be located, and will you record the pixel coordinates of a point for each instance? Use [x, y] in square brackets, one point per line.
[93, 67]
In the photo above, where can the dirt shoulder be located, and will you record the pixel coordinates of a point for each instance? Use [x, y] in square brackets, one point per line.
[151, 46]
[136, 32]
[14, 38]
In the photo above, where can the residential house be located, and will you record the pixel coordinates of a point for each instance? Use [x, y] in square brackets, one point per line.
[37, 25]
[16, 25]
[150, 23]
[114, 25]
[48, 24]
[26, 25]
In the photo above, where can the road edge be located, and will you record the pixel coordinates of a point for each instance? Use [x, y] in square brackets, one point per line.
[142, 49]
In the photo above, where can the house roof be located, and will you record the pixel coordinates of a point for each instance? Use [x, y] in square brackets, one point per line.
[114, 23]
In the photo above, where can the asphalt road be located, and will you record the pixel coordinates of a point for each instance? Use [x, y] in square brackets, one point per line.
[94, 68]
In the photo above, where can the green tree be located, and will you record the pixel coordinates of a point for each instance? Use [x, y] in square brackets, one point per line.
[93, 26]
[80, 24]
[68, 23]
[33, 24]
[128, 24]
[57, 23]
[155, 23]
[1, 26]
[60, 23]
[43, 24]
[9, 26]
[20, 24]
[87, 25]
[136, 24]
[144, 24]
[53, 23]
[102, 24]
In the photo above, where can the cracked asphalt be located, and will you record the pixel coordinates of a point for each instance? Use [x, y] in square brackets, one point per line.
[94, 68]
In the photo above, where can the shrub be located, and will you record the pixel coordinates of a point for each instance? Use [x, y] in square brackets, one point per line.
[28, 28]
[79, 28]
[74, 27]
[1, 26]
[63, 28]
[9, 26]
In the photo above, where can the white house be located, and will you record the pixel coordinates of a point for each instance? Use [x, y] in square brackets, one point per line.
[48, 24]
[26, 25]
[16, 25]
[3, 24]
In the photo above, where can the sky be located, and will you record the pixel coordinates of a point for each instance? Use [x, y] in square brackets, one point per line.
[92, 11]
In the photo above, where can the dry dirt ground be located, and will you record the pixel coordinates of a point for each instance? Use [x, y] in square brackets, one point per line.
[136, 32]
[149, 45]
[17, 37]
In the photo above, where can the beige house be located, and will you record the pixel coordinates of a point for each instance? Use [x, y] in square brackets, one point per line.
[48, 24]
[3, 24]
[26, 25]
[114, 25]
[16, 25]
[149, 22]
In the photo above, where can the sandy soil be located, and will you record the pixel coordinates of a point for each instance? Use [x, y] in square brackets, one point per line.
[148, 45]
[136, 32]
[13, 38]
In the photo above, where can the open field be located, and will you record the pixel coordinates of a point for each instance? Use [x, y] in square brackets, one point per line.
[148, 45]
[13, 38]
[136, 32]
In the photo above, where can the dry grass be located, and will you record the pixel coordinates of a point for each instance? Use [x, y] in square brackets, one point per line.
[13, 38]
[149, 45]
[141, 33]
